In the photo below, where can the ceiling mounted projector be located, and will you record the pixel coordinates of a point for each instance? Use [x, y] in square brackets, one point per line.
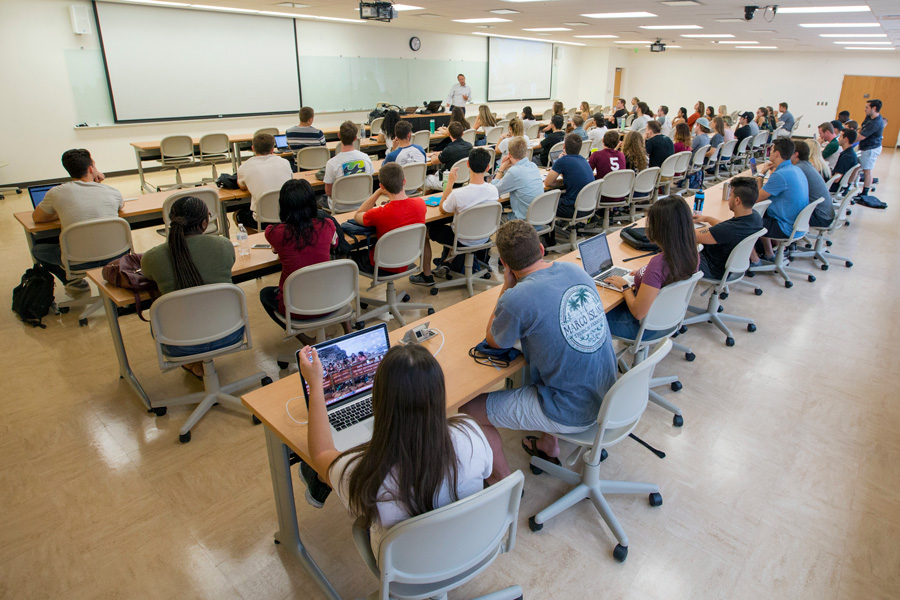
[377, 11]
[657, 46]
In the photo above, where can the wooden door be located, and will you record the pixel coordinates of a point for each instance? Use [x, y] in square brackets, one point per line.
[617, 86]
[859, 88]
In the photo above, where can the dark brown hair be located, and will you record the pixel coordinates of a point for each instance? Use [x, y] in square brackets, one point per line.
[306, 113]
[186, 217]
[263, 143]
[611, 138]
[402, 130]
[635, 152]
[671, 227]
[745, 190]
[784, 147]
[455, 129]
[654, 126]
[347, 133]
[518, 245]
[572, 144]
[76, 162]
[458, 115]
[683, 133]
[391, 177]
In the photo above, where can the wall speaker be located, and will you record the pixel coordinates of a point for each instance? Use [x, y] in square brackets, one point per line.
[81, 20]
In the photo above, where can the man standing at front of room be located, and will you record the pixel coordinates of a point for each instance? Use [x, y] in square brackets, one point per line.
[459, 94]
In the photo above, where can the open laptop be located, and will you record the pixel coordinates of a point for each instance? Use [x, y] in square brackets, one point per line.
[350, 362]
[281, 144]
[37, 192]
[597, 260]
[433, 106]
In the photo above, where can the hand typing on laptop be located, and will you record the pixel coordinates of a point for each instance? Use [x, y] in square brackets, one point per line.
[620, 283]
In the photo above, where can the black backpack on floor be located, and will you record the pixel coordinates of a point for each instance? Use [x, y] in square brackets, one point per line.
[33, 297]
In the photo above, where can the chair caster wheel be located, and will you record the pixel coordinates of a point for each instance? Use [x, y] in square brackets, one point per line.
[828, 243]
[811, 278]
[159, 411]
[363, 305]
[282, 365]
[486, 276]
[63, 310]
[82, 322]
[848, 264]
[534, 525]
[788, 284]
[535, 470]
[723, 296]
[603, 454]
[184, 438]
[620, 553]
[824, 267]
[683, 329]
[676, 386]
[729, 341]
[255, 420]
[720, 309]
[433, 291]
[751, 327]
[656, 499]
[758, 291]
[678, 421]
[265, 381]
[750, 274]
[689, 356]
[359, 325]
[405, 298]
[430, 311]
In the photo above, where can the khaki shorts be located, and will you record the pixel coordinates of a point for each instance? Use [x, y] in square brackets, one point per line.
[520, 409]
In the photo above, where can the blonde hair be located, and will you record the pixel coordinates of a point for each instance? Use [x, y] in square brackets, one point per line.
[517, 148]
[516, 127]
[585, 107]
[486, 116]
[816, 159]
[634, 151]
[558, 108]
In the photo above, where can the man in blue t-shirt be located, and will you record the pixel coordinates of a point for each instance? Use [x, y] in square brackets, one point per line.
[870, 137]
[554, 311]
[788, 191]
[575, 171]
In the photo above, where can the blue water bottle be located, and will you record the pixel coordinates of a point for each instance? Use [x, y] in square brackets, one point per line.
[698, 200]
[431, 125]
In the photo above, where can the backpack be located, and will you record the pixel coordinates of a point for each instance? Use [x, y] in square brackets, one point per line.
[228, 181]
[33, 297]
[636, 237]
[125, 272]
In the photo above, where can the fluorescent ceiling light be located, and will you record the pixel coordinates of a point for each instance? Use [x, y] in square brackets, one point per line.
[707, 35]
[160, 2]
[853, 35]
[402, 7]
[516, 37]
[680, 3]
[757, 47]
[763, 31]
[733, 42]
[790, 10]
[576, 24]
[670, 27]
[866, 42]
[548, 29]
[839, 25]
[482, 20]
[865, 48]
[282, 14]
[597, 36]
[637, 42]
[357, 21]
[667, 46]
[224, 8]
[730, 20]
[505, 11]
[619, 15]
[291, 5]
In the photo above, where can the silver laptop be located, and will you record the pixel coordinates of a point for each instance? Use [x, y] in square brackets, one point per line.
[281, 144]
[597, 260]
[350, 363]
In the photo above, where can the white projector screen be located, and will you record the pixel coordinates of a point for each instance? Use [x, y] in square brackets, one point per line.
[167, 63]
[519, 69]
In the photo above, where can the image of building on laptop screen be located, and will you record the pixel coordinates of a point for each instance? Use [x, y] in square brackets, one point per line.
[350, 365]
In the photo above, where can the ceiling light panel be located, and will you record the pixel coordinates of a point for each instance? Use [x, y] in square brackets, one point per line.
[848, 25]
[505, 11]
[576, 24]
[620, 15]
[757, 47]
[733, 42]
[548, 29]
[866, 48]
[677, 3]
[707, 35]
[483, 20]
[866, 42]
[670, 27]
[796, 10]
[637, 42]
[853, 35]
[598, 36]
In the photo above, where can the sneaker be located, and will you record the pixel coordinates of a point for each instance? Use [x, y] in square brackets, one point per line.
[757, 263]
[78, 285]
[420, 279]
[442, 271]
[767, 260]
[316, 490]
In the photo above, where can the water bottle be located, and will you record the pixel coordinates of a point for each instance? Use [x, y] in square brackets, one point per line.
[698, 200]
[444, 178]
[243, 241]
[431, 125]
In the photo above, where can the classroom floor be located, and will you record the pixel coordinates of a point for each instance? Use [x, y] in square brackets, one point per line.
[781, 484]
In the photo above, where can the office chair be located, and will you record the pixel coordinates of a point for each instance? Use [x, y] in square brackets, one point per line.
[782, 265]
[472, 224]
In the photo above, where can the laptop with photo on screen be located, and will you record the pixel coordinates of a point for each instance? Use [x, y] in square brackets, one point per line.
[349, 363]
[37, 192]
[597, 260]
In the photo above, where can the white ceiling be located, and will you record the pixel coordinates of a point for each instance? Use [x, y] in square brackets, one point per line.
[783, 30]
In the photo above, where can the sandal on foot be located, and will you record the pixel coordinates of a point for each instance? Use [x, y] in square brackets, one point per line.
[529, 444]
[189, 370]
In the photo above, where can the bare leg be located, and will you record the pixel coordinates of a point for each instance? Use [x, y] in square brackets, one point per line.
[867, 178]
[426, 257]
[767, 246]
[347, 327]
[476, 408]
[548, 444]
[754, 256]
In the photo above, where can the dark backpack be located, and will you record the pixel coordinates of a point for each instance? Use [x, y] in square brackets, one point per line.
[637, 238]
[33, 297]
[228, 181]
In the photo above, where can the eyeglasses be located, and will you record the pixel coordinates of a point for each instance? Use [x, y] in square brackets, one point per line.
[487, 360]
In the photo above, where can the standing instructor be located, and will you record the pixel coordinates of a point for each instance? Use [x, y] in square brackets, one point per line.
[459, 94]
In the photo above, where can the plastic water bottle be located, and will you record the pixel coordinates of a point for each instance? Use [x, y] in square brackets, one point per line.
[431, 125]
[444, 178]
[243, 241]
[698, 200]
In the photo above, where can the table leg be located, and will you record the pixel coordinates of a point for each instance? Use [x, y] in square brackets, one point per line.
[29, 239]
[223, 218]
[234, 159]
[112, 319]
[140, 168]
[288, 534]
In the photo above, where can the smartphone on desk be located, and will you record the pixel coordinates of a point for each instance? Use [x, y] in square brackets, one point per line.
[261, 246]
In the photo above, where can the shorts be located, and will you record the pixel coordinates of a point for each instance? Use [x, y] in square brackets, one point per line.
[867, 158]
[774, 229]
[520, 409]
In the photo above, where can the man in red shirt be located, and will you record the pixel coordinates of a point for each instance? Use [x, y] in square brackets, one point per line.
[397, 211]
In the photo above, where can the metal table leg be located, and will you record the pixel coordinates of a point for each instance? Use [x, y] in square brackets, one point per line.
[112, 319]
[288, 534]
[140, 168]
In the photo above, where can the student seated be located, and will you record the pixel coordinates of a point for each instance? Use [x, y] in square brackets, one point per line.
[189, 258]
[847, 158]
[701, 133]
[681, 117]
[484, 119]
[584, 109]
[608, 159]
[397, 211]
[304, 237]
[387, 134]
[83, 199]
[554, 311]
[347, 159]
[303, 135]
[721, 237]
[659, 147]
[575, 173]
[405, 152]
[454, 201]
[620, 113]
[528, 118]
[516, 129]
[634, 151]
[553, 137]
[518, 177]
[595, 135]
[261, 173]
[642, 116]
[558, 109]
[455, 151]
[671, 227]
[578, 127]
[831, 146]
[665, 123]
[457, 115]
[787, 119]
[682, 139]
[699, 111]
[744, 130]
[788, 191]
[823, 214]
[388, 479]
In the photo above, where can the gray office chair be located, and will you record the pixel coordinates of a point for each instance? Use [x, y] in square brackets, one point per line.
[533, 131]
[585, 208]
[616, 184]
[414, 174]
[782, 265]
[422, 138]
[269, 130]
[462, 171]
[210, 197]
[349, 192]
[214, 148]
[469, 135]
[176, 152]
[312, 158]
[268, 209]
[724, 160]
[556, 151]
[621, 410]
[817, 248]
[472, 224]
[643, 191]
[547, 115]
[741, 158]
[542, 211]
[697, 164]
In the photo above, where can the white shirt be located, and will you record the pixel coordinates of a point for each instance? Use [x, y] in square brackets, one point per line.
[470, 195]
[596, 136]
[639, 122]
[79, 201]
[455, 97]
[263, 174]
[347, 163]
[503, 146]
[666, 126]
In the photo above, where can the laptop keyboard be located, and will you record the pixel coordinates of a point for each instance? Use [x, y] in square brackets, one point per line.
[351, 415]
[615, 271]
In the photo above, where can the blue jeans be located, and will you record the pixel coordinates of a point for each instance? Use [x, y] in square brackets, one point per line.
[623, 324]
[481, 142]
[180, 351]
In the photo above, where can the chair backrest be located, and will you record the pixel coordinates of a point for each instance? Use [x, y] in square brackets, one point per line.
[469, 135]
[618, 184]
[571, 112]
[321, 289]
[699, 156]
[796, 124]
[684, 161]
[503, 124]
[492, 134]
[760, 207]
[375, 127]
[555, 151]
[849, 179]
[268, 208]
[587, 199]
[462, 167]
[94, 241]
[511, 115]
[667, 168]
[452, 544]
[625, 402]
[422, 138]
[742, 146]
[533, 131]
[726, 150]
[477, 222]
[585, 148]
[210, 197]
[199, 315]
[548, 114]
[739, 259]
[349, 191]
[471, 120]
[629, 120]
[415, 175]
[176, 147]
[542, 210]
[398, 248]
[646, 181]
[269, 130]
[312, 158]
[667, 310]
[215, 144]
[801, 223]
[760, 139]
[529, 153]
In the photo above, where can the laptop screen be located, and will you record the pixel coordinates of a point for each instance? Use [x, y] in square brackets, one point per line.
[595, 256]
[281, 141]
[350, 363]
[37, 192]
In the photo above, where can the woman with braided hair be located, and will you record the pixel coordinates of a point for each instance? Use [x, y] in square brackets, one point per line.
[188, 259]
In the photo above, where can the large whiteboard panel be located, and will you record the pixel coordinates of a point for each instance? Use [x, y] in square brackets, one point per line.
[519, 69]
[167, 63]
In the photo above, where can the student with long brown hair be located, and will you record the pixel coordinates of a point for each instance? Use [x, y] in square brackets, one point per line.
[417, 460]
[634, 150]
[457, 115]
[682, 137]
[699, 111]
[670, 226]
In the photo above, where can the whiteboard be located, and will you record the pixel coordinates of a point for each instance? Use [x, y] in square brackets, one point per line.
[519, 69]
[166, 63]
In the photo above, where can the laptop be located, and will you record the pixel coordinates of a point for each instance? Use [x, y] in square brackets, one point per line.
[597, 260]
[37, 192]
[350, 363]
[281, 144]
[433, 106]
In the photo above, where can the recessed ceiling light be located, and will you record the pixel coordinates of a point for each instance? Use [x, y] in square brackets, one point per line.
[789, 10]
[597, 36]
[730, 20]
[427, 16]
[763, 31]
[292, 5]
[283, 14]
[707, 35]
[576, 24]
[357, 21]
[516, 37]
[548, 29]
[757, 47]
[402, 7]
[839, 25]
[670, 27]
[786, 39]
[865, 48]
[224, 8]
[160, 2]
[505, 11]
[667, 46]
[853, 35]
[637, 42]
[482, 20]
[866, 42]
[619, 15]
[680, 3]
[732, 42]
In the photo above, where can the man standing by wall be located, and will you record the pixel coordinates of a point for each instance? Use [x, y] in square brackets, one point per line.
[459, 94]
[870, 136]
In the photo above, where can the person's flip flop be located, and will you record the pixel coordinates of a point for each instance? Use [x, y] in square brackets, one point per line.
[186, 368]
[529, 444]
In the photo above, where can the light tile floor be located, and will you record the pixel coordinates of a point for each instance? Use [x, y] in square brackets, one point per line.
[782, 483]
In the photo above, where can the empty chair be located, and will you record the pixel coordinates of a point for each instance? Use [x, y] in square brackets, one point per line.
[462, 170]
[214, 148]
[492, 134]
[350, 191]
[175, 152]
[724, 160]
[681, 170]
[210, 197]
[375, 126]
[423, 139]
[469, 135]
[511, 115]
[472, 225]
[667, 171]
[312, 158]
[781, 265]
[533, 131]
[621, 410]
[796, 124]
[584, 209]
[435, 552]
[90, 244]
[268, 209]
[398, 248]
[542, 211]
[415, 176]
[617, 185]
[190, 325]
[737, 264]
[642, 190]
[547, 115]
[503, 124]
